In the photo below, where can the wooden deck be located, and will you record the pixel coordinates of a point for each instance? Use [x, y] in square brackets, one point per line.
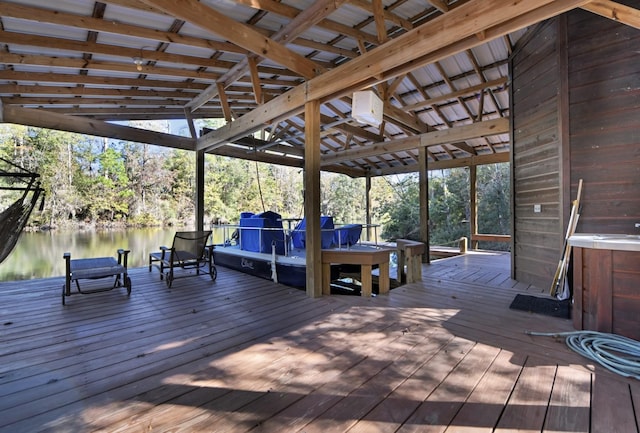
[244, 354]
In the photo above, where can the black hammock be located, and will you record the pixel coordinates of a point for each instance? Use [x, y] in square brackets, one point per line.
[16, 181]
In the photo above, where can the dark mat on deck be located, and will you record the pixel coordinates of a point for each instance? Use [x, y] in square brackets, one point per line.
[546, 306]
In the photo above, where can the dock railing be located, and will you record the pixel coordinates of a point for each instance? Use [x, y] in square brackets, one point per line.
[229, 238]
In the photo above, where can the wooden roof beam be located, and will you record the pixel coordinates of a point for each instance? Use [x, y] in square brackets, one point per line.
[434, 138]
[285, 10]
[378, 15]
[615, 11]
[77, 101]
[224, 103]
[441, 5]
[136, 4]
[295, 27]
[79, 63]
[240, 34]
[136, 113]
[101, 25]
[87, 91]
[61, 122]
[386, 14]
[110, 50]
[435, 164]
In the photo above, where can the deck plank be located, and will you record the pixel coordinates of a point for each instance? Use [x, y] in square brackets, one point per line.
[439, 408]
[482, 410]
[612, 406]
[393, 411]
[569, 405]
[525, 411]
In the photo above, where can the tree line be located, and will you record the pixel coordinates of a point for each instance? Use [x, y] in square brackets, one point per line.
[100, 182]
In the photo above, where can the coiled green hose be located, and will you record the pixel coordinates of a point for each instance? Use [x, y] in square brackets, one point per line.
[618, 354]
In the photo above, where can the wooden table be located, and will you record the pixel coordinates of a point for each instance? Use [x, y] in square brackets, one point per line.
[366, 259]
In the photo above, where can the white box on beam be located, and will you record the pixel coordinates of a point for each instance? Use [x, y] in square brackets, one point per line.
[366, 108]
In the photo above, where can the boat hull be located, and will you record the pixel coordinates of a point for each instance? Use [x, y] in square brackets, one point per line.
[290, 274]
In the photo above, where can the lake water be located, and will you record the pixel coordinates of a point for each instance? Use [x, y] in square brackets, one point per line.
[39, 254]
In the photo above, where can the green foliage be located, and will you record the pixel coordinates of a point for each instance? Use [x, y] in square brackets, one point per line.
[98, 181]
[343, 198]
[180, 188]
[449, 211]
[399, 212]
[494, 203]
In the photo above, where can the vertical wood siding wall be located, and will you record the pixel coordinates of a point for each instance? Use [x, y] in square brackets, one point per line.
[585, 127]
[604, 98]
[536, 155]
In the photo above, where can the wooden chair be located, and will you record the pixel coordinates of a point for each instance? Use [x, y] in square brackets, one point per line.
[189, 252]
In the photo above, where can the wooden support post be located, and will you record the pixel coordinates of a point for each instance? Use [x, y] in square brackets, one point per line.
[199, 198]
[312, 199]
[368, 205]
[424, 202]
[199, 190]
[473, 205]
[463, 245]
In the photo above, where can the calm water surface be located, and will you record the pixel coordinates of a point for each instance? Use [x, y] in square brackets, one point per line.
[39, 255]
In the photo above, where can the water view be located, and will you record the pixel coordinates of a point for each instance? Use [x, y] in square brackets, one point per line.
[39, 255]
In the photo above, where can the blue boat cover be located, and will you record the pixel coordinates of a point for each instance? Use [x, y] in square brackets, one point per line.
[347, 235]
[257, 240]
[298, 235]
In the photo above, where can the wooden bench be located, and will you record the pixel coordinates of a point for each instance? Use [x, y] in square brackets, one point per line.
[409, 254]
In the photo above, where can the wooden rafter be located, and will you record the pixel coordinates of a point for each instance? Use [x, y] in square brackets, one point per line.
[50, 120]
[242, 35]
[379, 18]
[285, 10]
[386, 14]
[376, 66]
[457, 94]
[615, 11]
[109, 50]
[110, 26]
[434, 138]
[295, 27]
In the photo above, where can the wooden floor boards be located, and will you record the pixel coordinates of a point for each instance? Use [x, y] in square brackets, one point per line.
[244, 354]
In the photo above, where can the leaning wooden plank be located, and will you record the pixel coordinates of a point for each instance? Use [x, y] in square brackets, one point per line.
[558, 279]
[635, 398]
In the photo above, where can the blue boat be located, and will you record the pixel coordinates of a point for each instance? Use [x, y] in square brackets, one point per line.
[259, 245]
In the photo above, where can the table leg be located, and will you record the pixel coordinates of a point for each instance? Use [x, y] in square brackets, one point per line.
[367, 283]
[326, 278]
[383, 278]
